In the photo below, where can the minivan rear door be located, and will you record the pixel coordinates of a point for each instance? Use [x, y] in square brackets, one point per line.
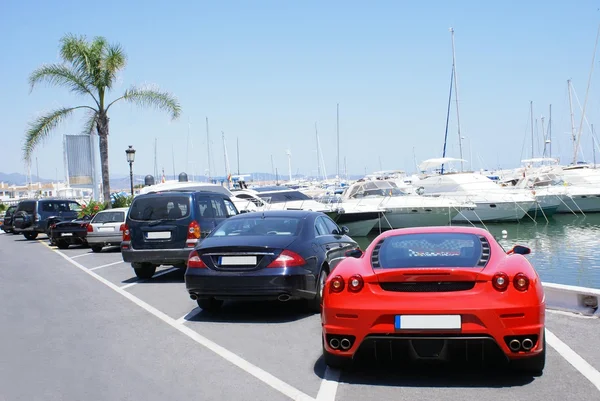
[211, 211]
[159, 221]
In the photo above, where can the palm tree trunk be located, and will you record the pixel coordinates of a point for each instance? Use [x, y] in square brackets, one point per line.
[102, 127]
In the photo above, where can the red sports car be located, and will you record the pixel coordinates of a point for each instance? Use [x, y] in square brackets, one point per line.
[435, 293]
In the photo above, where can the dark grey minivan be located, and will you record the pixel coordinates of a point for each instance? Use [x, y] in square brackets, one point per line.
[162, 228]
[35, 216]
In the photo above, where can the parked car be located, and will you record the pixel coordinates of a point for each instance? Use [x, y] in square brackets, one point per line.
[162, 228]
[66, 233]
[7, 225]
[106, 228]
[36, 216]
[266, 255]
[436, 293]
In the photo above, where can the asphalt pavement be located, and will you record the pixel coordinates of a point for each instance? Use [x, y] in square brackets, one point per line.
[77, 325]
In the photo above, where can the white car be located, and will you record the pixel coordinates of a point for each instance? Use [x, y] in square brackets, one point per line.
[106, 228]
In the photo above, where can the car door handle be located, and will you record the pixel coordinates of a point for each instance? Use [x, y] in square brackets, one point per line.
[327, 247]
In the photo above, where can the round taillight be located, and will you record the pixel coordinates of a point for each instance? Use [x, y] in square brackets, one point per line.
[355, 283]
[521, 282]
[337, 284]
[500, 281]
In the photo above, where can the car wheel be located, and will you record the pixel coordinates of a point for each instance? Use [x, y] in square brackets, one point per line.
[336, 361]
[144, 270]
[209, 304]
[62, 244]
[30, 236]
[97, 248]
[533, 366]
[318, 299]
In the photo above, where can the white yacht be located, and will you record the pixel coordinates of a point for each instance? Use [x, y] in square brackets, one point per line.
[400, 209]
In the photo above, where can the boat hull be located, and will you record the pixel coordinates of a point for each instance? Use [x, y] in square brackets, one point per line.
[580, 203]
[417, 217]
[488, 212]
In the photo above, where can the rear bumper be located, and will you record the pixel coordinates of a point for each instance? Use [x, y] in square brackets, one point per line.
[155, 256]
[74, 238]
[263, 284]
[114, 240]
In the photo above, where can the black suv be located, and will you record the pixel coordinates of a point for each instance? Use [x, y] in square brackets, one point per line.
[35, 216]
[7, 225]
[162, 228]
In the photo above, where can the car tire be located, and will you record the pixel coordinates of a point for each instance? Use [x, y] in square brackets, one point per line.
[335, 361]
[30, 236]
[62, 244]
[97, 248]
[315, 304]
[209, 304]
[144, 270]
[533, 366]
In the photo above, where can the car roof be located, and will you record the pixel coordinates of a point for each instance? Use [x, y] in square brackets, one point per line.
[181, 192]
[436, 229]
[116, 209]
[278, 213]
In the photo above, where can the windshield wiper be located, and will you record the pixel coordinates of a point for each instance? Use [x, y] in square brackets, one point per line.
[157, 222]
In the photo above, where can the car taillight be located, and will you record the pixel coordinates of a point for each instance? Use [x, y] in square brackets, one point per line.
[193, 230]
[194, 261]
[126, 233]
[355, 283]
[90, 229]
[521, 282]
[500, 281]
[337, 284]
[287, 259]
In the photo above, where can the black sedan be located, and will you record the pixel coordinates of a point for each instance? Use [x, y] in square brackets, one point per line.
[66, 233]
[271, 255]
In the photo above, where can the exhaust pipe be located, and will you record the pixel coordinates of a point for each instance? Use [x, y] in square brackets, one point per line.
[345, 343]
[284, 297]
[194, 297]
[527, 344]
[514, 345]
[334, 343]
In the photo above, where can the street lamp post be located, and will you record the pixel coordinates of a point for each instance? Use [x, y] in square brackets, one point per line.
[130, 159]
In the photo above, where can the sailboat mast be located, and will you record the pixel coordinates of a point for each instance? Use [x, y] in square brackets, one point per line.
[337, 125]
[456, 99]
[225, 156]
[571, 111]
[593, 145]
[208, 148]
[531, 113]
[550, 130]
[447, 117]
[318, 153]
[238, 154]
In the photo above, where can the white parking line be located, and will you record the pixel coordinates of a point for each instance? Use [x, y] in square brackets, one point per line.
[329, 385]
[143, 281]
[574, 359]
[110, 264]
[83, 254]
[246, 366]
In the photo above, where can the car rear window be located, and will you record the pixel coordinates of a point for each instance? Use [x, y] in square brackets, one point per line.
[109, 217]
[430, 250]
[258, 226]
[59, 206]
[160, 208]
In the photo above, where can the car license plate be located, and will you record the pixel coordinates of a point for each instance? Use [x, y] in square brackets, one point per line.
[66, 235]
[105, 229]
[158, 235]
[237, 261]
[427, 322]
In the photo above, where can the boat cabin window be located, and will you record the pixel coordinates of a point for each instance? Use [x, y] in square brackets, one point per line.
[282, 197]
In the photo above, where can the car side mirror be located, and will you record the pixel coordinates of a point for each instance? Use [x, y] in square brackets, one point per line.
[345, 230]
[354, 253]
[520, 249]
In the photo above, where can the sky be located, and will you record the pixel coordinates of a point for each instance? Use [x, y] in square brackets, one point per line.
[265, 72]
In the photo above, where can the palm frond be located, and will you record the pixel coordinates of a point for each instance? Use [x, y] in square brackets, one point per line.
[62, 75]
[114, 61]
[42, 127]
[151, 96]
[89, 123]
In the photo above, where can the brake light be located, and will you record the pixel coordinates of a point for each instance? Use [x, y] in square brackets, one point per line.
[193, 230]
[521, 282]
[355, 283]
[90, 229]
[288, 259]
[194, 261]
[500, 281]
[337, 284]
[126, 233]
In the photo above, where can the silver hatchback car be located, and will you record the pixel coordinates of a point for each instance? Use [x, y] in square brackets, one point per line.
[106, 228]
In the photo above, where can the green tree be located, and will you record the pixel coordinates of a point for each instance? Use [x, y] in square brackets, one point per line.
[90, 68]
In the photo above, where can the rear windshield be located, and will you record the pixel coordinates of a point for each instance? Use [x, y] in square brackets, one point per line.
[59, 206]
[258, 226]
[430, 250]
[160, 208]
[109, 217]
[281, 197]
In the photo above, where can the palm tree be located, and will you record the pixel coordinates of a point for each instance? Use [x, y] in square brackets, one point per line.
[90, 68]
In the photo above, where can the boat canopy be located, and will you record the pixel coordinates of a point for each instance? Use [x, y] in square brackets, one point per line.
[372, 188]
[433, 163]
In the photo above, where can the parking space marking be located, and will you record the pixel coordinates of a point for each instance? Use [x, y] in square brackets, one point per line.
[240, 362]
[571, 314]
[110, 264]
[587, 370]
[143, 281]
[83, 254]
[188, 316]
[329, 385]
